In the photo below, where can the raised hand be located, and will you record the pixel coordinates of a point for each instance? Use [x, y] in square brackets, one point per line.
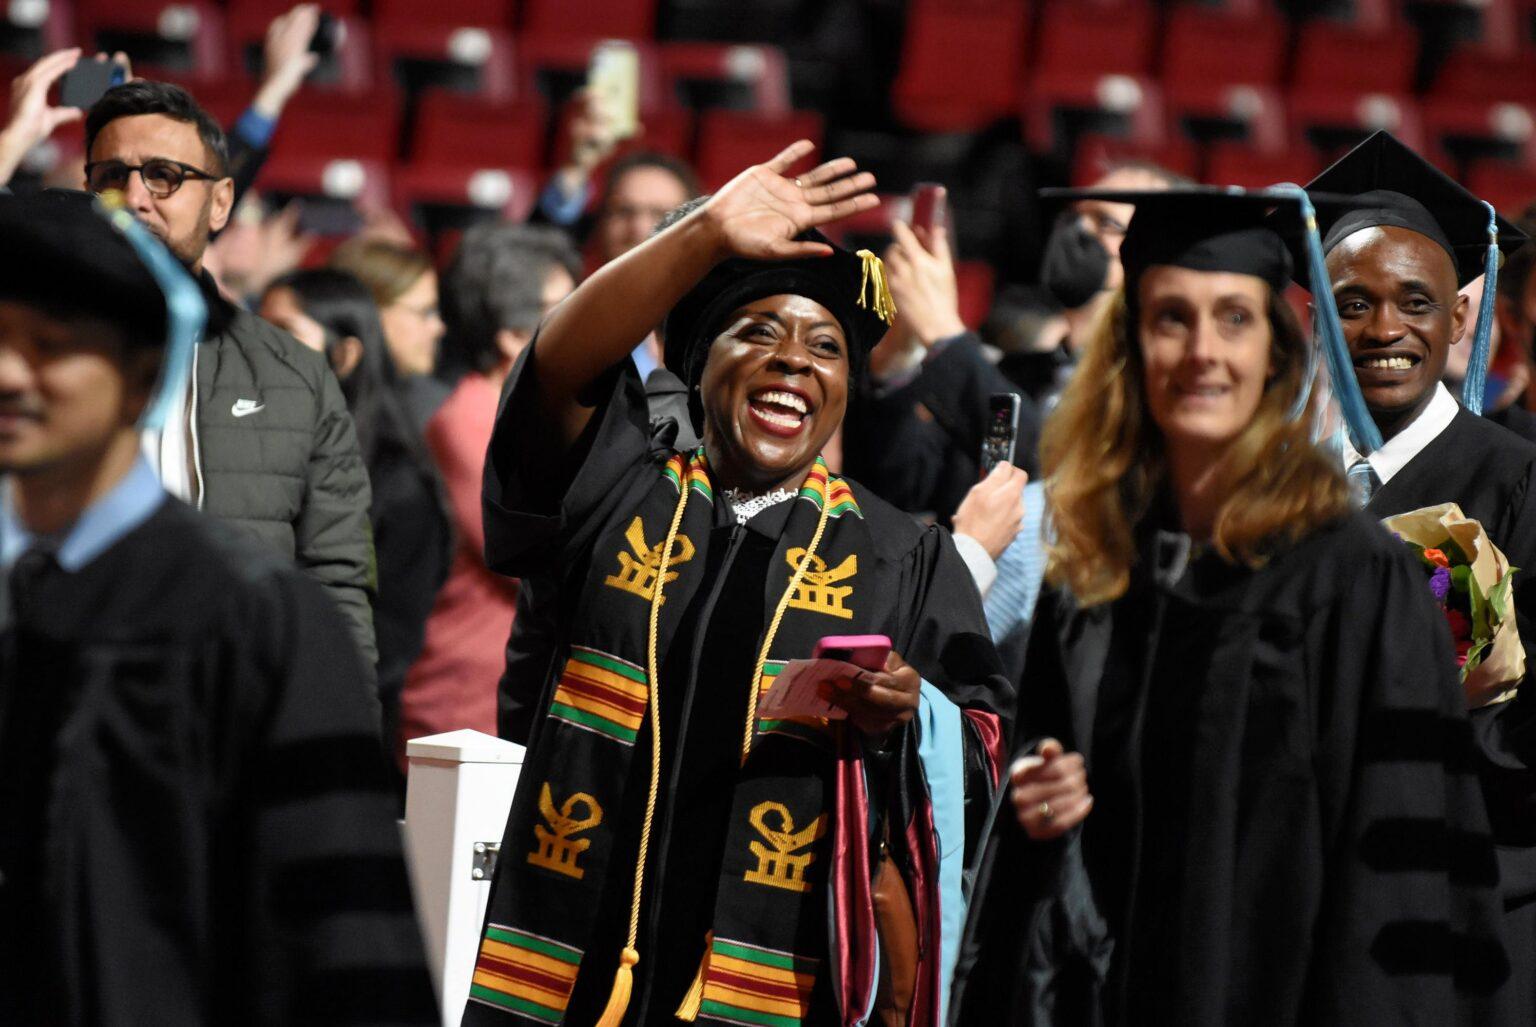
[31, 118]
[922, 276]
[1049, 791]
[993, 510]
[286, 57]
[759, 213]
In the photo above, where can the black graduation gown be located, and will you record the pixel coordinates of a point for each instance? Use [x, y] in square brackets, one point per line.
[1488, 471]
[1285, 829]
[544, 511]
[196, 826]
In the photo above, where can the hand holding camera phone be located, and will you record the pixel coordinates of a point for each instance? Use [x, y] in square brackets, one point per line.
[1001, 439]
[88, 80]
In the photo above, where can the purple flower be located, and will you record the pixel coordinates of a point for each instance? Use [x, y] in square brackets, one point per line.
[1440, 583]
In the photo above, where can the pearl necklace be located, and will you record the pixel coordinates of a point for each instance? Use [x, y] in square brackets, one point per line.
[747, 506]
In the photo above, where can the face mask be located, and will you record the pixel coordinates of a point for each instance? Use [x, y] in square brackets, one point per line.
[1075, 264]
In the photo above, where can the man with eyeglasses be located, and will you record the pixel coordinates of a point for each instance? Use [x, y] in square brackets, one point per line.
[261, 437]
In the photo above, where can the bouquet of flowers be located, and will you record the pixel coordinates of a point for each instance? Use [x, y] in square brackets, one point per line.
[1471, 580]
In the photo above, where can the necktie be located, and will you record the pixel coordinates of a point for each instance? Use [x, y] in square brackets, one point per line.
[1363, 482]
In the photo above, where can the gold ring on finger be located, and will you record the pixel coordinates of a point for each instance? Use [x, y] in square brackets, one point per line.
[1046, 813]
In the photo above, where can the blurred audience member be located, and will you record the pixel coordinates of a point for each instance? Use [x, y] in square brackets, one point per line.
[255, 248]
[332, 313]
[404, 286]
[1507, 379]
[500, 284]
[1081, 263]
[590, 141]
[1027, 327]
[261, 436]
[916, 435]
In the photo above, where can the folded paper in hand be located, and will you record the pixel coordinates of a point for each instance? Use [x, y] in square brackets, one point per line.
[797, 690]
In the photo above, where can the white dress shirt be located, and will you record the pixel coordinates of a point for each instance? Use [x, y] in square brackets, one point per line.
[1395, 453]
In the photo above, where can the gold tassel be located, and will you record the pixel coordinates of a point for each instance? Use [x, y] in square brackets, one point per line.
[874, 276]
[623, 981]
[689, 1009]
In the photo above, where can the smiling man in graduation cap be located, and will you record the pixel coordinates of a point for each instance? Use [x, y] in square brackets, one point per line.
[195, 822]
[1396, 257]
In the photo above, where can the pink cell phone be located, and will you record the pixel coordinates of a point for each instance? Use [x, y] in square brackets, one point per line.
[865, 651]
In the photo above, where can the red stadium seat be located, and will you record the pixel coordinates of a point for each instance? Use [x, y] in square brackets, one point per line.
[468, 58]
[337, 125]
[29, 31]
[511, 192]
[1505, 128]
[1202, 49]
[1331, 57]
[1097, 155]
[185, 38]
[1126, 106]
[1235, 164]
[758, 72]
[732, 140]
[1474, 72]
[986, 40]
[444, 14]
[1510, 188]
[459, 131]
[1331, 121]
[1080, 40]
[591, 19]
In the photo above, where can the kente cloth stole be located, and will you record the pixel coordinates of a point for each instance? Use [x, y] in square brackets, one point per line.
[769, 941]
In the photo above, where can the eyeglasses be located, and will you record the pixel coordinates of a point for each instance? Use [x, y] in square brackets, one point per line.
[162, 176]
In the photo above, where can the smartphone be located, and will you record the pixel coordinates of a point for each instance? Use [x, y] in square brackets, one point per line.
[84, 84]
[613, 76]
[864, 651]
[327, 35]
[930, 206]
[1002, 431]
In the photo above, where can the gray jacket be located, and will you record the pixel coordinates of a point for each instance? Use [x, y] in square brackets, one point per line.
[275, 452]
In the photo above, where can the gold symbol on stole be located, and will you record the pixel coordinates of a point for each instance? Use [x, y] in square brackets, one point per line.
[818, 590]
[557, 850]
[779, 867]
[638, 576]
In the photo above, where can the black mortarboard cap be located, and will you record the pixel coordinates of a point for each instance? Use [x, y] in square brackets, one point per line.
[1389, 185]
[850, 285]
[1204, 228]
[63, 256]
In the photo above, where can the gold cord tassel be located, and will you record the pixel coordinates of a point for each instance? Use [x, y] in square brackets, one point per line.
[623, 979]
[874, 281]
[689, 1009]
[623, 982]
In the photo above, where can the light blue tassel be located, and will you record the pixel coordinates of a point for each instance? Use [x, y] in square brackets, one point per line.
[1477, 363]
[186, 313]
[1328, 337]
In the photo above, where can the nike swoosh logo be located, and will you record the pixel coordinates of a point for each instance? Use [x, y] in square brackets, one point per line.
[246, 407]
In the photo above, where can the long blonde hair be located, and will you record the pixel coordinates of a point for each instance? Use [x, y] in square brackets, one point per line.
[1102, 457]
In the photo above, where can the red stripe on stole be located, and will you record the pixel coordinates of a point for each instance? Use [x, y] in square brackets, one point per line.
[521, 972]
[758, 986]
[612, 696]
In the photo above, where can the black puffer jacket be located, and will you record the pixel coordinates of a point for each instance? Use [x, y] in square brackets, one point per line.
[277, 454]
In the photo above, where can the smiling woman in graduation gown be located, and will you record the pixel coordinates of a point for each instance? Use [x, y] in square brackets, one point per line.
[696, 876]
[1283, 824]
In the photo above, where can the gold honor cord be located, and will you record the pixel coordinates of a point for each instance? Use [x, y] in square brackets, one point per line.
[623, 979]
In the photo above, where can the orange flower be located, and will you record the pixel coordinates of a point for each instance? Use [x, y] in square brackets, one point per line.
[1437, 558]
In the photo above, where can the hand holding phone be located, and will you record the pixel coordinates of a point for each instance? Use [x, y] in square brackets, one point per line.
[87, 81]
[1001, 438]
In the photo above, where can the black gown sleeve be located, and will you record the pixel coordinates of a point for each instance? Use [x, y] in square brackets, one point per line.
[543, 500]
[331, 934]
[1410, 912]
